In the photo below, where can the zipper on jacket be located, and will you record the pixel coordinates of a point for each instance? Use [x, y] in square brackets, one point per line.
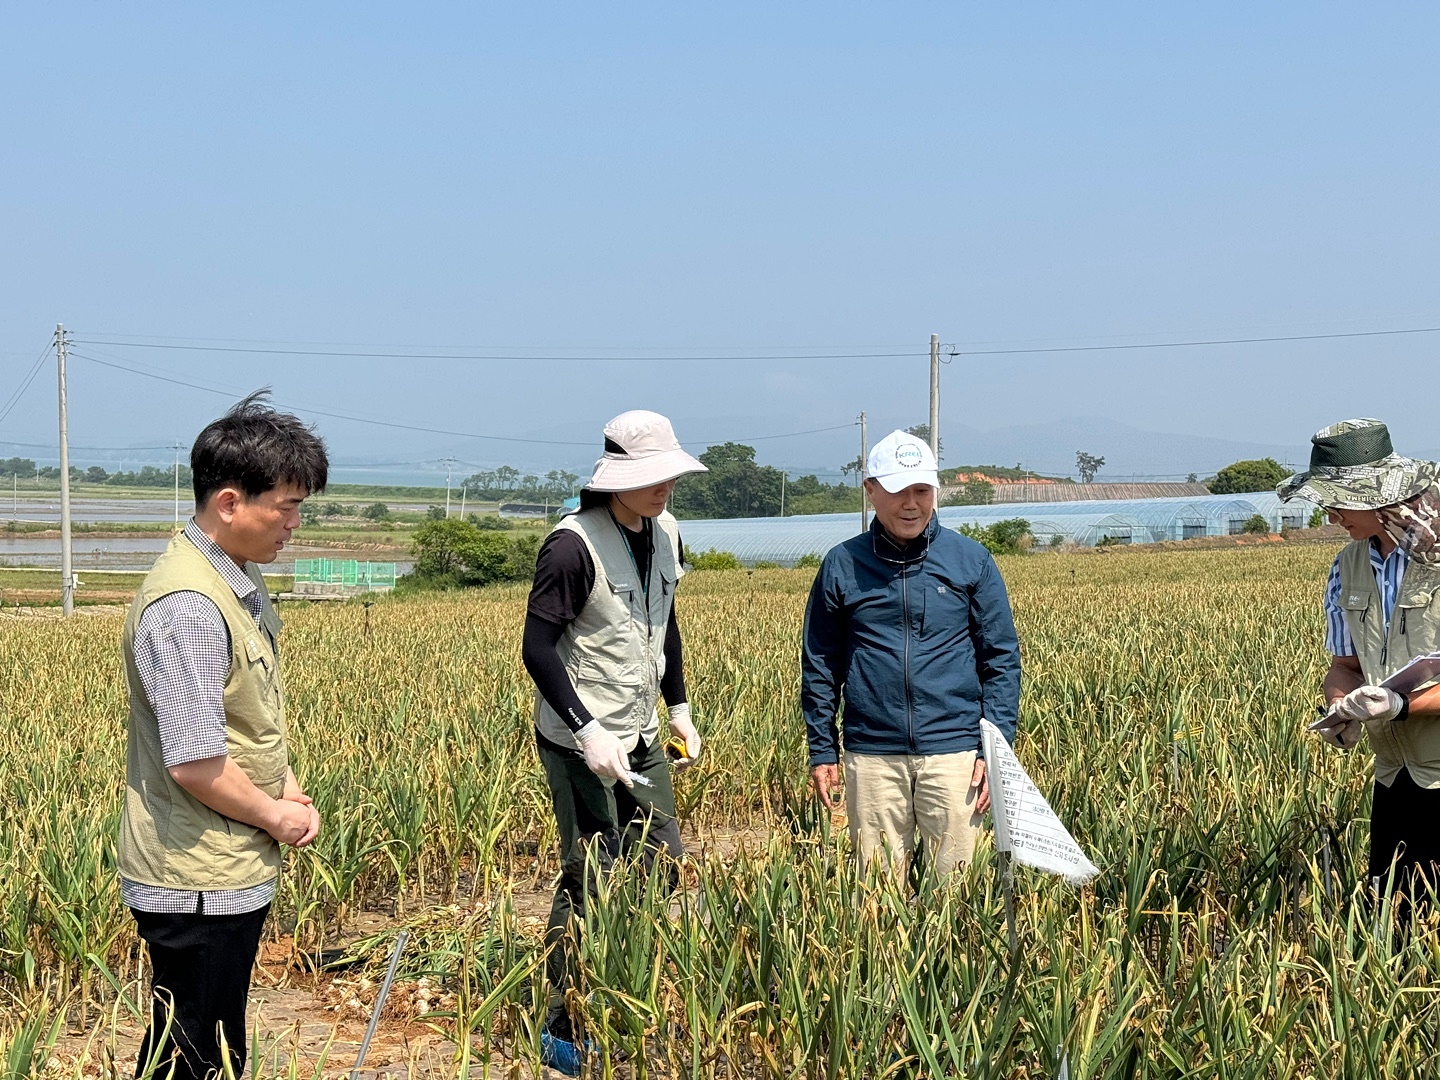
[909, 698]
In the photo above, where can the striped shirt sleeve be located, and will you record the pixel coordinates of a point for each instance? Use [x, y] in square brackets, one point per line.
[182, 653]
[1337, 634]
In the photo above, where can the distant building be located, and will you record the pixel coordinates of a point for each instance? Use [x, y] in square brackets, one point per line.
[1128, 521]
[1052, 493]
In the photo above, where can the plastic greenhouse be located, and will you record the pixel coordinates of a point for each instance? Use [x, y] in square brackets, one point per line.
[1134, 521]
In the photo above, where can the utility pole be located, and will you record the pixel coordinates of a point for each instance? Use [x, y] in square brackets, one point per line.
[935, 395]
[464, 489]
[177, 485]
[449, 464]
[864, 450]
[782, 492]
[67, 575]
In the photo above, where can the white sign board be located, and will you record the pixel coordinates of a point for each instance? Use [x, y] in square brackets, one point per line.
[1025, 825]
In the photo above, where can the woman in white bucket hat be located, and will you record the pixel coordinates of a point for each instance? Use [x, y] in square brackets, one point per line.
[602, 645]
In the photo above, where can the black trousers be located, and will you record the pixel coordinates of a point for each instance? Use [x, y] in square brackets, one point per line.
[609, 821]
[201, 965]
[1405, 833]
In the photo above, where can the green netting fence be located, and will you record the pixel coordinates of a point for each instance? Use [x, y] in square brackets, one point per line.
[351, 572]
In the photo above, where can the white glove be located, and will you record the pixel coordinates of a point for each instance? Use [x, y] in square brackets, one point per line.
[1341, 733]
[604, 756]
[1368, 703]
[682, 728]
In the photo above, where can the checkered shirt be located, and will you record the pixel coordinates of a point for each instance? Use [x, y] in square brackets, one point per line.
[182, 654]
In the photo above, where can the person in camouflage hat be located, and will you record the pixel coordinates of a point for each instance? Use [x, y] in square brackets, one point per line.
[1382, 607]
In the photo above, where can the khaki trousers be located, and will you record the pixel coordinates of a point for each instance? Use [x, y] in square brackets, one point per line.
[889, 797]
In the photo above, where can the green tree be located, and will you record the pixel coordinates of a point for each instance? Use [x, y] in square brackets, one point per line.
[441, 548]
[149, 476]
[1255, 523]
[376, 511]
[96, 475]
[451, 552]
[712, 560]
[1087, 465]
[1006, 537]
[1243, 476]
[735, 486]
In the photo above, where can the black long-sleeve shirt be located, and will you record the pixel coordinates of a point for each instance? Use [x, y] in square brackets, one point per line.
[564, 576]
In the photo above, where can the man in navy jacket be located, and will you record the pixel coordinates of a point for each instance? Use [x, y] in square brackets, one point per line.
[909, 625]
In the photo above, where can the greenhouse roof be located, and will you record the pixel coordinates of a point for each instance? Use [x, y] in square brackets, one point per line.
[1130, 521]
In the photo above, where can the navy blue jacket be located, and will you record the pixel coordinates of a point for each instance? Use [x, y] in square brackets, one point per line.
[919, 641]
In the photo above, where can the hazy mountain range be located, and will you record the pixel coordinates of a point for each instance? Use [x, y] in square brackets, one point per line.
[1047, 448]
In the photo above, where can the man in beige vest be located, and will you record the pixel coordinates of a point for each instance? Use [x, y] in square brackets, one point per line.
[210, 795]
[1382, 606]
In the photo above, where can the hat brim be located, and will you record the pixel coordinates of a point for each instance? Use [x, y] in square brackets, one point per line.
[895, 483]
[628, 474]
[1361, 487]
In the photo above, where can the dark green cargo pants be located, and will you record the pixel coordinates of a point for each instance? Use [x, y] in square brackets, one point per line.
[606, 817]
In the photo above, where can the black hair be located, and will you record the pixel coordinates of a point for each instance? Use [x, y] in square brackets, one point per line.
[257, 448]
[590, 499]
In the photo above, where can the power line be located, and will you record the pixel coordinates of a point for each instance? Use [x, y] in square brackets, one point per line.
[518, 352]
[51, 446]
[25, 384]
[413, 427]
[1192, 344]
[333, 415]
[141, 339]
[492, 356]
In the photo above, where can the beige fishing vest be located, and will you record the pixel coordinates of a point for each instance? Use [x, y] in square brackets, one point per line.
[1414, 630]
[614, 651]
[167, 836]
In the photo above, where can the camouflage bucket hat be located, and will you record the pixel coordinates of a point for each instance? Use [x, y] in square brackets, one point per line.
[1354, 467]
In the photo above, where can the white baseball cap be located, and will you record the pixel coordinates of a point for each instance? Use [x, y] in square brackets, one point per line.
[899, 460]
[640, 451]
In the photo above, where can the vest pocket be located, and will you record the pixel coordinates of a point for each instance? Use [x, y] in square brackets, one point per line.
[1414, 608]
[260, 660]
[1355, 605]
[611, 691]
[593, 672]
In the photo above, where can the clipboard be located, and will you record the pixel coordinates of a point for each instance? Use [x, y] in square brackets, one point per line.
[1416, 673]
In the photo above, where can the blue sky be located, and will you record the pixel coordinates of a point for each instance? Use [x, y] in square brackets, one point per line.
[660, 180]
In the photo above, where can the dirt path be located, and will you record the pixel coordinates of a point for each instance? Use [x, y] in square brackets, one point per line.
[321, 1020]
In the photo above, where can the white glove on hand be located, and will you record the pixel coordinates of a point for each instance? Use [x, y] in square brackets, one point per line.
[682, 728]
[1343, 734]
[604, 756]
[1368, 703]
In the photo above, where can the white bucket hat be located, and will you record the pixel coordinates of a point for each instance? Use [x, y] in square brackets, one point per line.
[899, 460]
[640, 451]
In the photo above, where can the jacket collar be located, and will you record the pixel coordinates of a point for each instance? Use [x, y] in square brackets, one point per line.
[887, 550]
